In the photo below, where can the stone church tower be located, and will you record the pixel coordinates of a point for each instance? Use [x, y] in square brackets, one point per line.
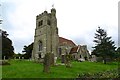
[46, 37]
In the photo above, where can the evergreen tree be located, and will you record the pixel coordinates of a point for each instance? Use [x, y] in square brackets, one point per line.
[7, 48]
[104, 46]
[28, 51]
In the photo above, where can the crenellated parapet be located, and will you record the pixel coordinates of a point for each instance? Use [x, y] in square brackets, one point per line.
[45, 13]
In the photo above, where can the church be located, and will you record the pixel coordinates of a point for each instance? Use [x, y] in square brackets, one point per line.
[47, 39]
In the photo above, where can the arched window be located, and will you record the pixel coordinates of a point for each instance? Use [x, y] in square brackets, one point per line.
[40, 46]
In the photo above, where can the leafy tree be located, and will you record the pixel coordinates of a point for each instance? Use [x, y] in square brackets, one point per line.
[104, 47]
[7, 48]
[28, 51]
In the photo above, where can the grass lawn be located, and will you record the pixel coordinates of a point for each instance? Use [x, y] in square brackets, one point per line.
[29, 69]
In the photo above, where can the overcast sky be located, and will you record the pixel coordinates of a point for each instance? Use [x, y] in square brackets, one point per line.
[76, 19]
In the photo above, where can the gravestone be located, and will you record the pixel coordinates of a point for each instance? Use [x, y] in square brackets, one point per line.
[30, 59]
[55, 59]
[19, 57]
[4, 57]
[15, 58]
[22, 57]
[63, 58]
[93, 59]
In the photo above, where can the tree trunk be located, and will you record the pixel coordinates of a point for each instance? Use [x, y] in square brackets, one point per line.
[52, 59]
[46, 63]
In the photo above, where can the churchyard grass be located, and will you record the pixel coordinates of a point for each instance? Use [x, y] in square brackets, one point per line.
[29, 69]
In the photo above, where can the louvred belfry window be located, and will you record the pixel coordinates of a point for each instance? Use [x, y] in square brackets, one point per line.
[40, 23]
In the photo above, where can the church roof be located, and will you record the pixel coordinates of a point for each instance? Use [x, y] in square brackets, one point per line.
[75, 49]
[63, 41]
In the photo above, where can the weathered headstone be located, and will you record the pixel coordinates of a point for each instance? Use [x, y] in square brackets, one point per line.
[15, 58]
[63, 60]
[4, 57]
[55, 59]
[22, 57]
[93, 59]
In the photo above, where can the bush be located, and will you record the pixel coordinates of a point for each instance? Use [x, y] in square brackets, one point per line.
[106, 74]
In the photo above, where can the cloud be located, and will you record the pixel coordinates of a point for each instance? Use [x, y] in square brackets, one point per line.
[76, 19]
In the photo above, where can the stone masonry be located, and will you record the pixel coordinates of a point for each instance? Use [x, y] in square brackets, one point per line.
[46, 35]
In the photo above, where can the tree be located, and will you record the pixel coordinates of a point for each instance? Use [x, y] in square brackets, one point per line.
[47, 63]
[28, 51]
[104, 46]
[7, 48]
[16, 56]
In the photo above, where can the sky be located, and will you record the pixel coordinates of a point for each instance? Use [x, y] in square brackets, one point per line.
[77, 20]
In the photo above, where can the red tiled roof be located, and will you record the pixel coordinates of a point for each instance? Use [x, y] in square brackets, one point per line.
[63, 41]
[74, 49]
